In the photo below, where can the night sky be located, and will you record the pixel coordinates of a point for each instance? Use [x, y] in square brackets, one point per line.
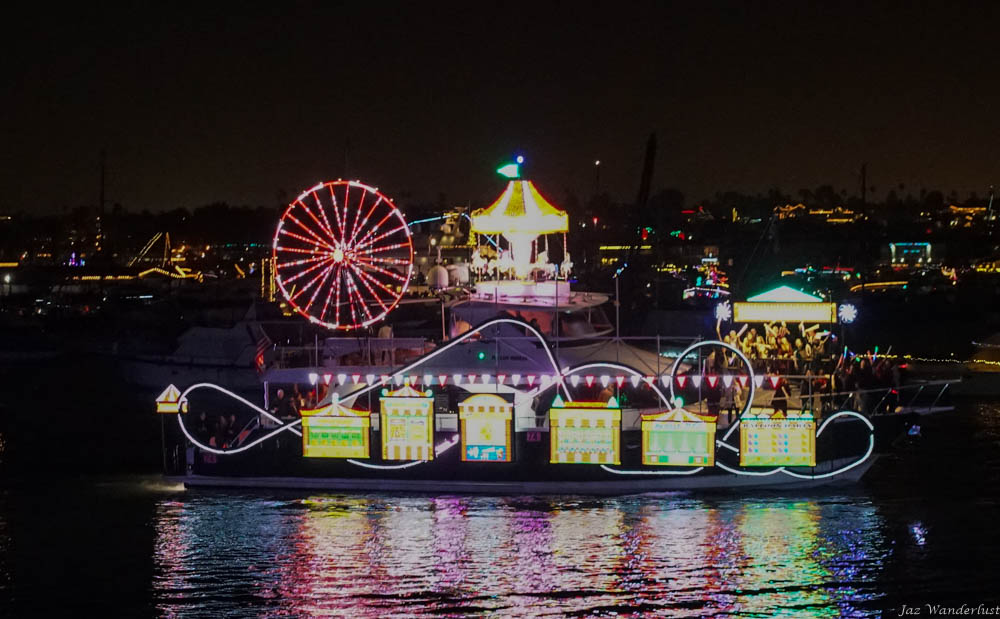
[208, 102]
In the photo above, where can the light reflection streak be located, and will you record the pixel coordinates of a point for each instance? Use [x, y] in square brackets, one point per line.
[384, 555]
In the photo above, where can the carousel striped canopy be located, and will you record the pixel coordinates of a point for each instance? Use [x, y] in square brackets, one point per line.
[520, 208]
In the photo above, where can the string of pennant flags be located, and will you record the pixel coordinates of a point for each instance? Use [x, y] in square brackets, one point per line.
[531, 380]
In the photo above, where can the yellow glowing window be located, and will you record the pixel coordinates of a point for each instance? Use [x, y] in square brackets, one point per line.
[486, 430]
[778, 441]
[585, 432]
[407, 424]
[678, 438]
[335, 431]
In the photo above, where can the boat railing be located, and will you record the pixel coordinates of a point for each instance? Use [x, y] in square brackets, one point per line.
[394, 351]
[920, 397]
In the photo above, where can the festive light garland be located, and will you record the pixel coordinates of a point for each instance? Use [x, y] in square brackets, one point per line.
[930, 360]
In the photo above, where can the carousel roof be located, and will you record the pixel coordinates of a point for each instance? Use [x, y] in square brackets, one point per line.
[520, 208]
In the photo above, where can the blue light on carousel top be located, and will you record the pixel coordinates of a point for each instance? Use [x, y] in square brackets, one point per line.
[847, 313]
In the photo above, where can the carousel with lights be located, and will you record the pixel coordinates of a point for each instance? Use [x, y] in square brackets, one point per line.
[522, 393]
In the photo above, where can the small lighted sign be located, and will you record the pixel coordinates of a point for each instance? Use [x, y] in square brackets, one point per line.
[169, 401]
[778, 441]
[585, 432]
[509, 170]
[678, 438]
[788, 312]
[407, 424]
[485, 419]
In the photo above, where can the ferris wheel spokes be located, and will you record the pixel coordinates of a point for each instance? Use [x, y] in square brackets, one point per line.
[342, 259]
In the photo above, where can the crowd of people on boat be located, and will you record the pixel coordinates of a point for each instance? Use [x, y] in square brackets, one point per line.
[777, 348]
[286, 406]
[227, 431]
[219, 431]
[807, 362]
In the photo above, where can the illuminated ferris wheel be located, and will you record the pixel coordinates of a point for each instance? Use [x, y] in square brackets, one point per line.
[342, 255]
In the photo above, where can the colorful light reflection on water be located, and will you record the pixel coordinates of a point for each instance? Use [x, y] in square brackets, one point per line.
[406, 556]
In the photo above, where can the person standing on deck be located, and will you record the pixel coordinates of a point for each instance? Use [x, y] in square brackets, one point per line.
[781, 394]
[386, 353]
[728, 402]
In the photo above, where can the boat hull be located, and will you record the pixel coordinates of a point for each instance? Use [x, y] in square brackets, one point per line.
[712, 481]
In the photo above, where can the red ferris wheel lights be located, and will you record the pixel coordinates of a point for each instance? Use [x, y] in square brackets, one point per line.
[355, 268]
[295, 263]
[305, 228]
[361, 278]
[301, 274]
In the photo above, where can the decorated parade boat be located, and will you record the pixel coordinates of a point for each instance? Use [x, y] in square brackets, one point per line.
[524, 391]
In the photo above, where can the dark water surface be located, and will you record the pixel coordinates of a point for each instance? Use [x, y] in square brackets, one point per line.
[923, 528]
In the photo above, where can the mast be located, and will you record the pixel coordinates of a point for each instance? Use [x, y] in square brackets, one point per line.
[642, 197]
[647, 173]
[989, 214]
[864, 188]
[100, 202]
